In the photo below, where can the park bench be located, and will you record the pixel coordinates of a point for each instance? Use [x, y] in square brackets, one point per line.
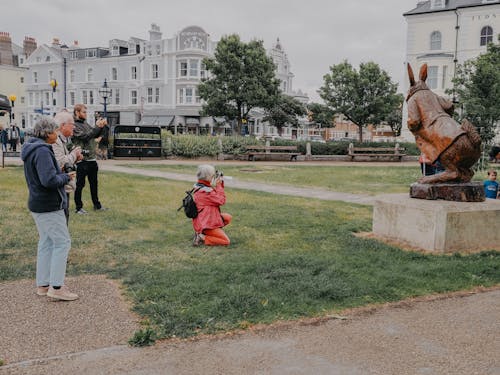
[376, 153]
[272, 152]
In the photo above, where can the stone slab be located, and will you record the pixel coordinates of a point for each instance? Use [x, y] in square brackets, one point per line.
[458, 192]
[436, 225]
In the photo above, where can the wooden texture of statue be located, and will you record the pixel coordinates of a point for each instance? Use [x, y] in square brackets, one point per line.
[438, 135]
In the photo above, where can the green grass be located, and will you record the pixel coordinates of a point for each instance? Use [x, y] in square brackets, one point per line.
[289, 257]
[348, 179]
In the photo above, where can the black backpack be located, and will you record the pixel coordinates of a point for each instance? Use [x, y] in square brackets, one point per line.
[189, 204]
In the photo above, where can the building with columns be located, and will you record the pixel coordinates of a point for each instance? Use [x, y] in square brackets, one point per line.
[153, 81]
[445, 33]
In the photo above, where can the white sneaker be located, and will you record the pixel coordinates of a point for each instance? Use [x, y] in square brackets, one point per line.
[62, 294]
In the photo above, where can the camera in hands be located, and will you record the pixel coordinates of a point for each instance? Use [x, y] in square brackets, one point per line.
[68, 167]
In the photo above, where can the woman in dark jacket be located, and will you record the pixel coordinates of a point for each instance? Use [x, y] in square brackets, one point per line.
[47, 200]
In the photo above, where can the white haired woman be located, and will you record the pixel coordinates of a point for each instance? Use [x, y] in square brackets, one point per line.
[47, 201]
[209, 196]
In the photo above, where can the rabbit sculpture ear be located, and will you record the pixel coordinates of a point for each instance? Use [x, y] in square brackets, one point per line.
[410, 75]
[423, 73]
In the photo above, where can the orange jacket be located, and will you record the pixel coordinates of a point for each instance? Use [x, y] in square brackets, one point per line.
[208, 201]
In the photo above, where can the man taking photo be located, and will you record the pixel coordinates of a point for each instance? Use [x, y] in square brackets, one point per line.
[84, 137]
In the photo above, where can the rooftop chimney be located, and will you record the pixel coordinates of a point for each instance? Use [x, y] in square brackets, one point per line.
[55, 42]
[29, 45]
[6, 57]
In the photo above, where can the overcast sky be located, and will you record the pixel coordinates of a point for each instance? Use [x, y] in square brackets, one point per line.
[315, 34]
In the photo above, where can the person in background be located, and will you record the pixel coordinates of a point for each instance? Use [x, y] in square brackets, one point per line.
[3, 138]
[13, 134]
[491, 189]
[65, 157]
[47, 200]
[84, 136]
[209, 195]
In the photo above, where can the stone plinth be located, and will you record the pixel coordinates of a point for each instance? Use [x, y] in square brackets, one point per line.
[458, 192]
[436, 225]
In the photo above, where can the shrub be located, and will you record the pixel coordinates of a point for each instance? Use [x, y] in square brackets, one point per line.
[143, 337]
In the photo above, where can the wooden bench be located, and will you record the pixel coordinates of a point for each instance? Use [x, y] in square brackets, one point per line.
[376, 153]
[272, 152]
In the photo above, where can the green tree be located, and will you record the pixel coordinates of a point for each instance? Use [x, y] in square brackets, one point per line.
[363, 97]
[241, 78]
[395, 118]
[285, 111]
[477, 88]
[321, 114]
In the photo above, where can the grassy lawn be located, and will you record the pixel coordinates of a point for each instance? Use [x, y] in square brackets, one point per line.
[289, 257]
[348, 179]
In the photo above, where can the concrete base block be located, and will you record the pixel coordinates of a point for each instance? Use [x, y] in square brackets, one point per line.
[438, 226]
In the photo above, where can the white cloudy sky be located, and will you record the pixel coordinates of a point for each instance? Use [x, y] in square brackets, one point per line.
[314, 33]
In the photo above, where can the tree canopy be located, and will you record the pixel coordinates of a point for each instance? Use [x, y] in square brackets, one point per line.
[285, 111]
[241, 77]
[395, 118]
[321, 114]
[477, 88]
[363, 97]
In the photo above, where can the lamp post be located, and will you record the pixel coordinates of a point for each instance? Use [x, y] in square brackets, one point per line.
[105, 93]
[53, 84]
[12, 99]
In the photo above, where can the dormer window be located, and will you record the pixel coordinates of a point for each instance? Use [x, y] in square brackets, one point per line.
[73, 55]
[115, 50]
[47, 58]
[435, 40]
[90, 53]
[438, 4]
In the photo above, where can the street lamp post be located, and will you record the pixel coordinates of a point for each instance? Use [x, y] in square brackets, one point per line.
[12, 99]
[53, 84]
[105, 93]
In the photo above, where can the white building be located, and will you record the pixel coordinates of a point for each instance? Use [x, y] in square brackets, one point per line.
[153, 82]
[444, 33]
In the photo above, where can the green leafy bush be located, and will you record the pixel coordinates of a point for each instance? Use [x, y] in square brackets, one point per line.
[143, 337]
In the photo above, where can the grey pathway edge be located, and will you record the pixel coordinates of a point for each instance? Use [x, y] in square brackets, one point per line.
[456, 335]
[257, 186]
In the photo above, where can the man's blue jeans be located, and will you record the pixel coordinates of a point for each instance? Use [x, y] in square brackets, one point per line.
[53, 247]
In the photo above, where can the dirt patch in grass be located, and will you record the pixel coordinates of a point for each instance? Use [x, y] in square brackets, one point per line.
[38, 327]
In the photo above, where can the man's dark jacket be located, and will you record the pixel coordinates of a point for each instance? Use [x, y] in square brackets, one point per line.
[44, 178]
[84, 135]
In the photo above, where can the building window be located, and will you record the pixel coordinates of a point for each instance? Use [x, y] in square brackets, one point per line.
[486, 35]
[189, 95]
[22, 79]
[47, 58]
[85, 99]
[30, 98]
[157, 95]
[114, 74]
[73, 55]
[432, 77]
[154, 71]
[203, 72]
[90, 75]
[183, 69]
[38, 59]
[91, 97]
[22, 99]
[117, 96]
[193, 68]
[115, 51]
[133, 72]
[443, 82]
[71, 98]
[150, 95]
[158, 49]
[37, 98]
[47, 98]
[35, 77]
[51, 75]
[133, 97]
[435, 40]
[90, 53]
[180, 97]
[72, 75]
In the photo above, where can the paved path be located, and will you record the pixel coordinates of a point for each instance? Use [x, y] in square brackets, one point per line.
[258, 186]
[456, 336]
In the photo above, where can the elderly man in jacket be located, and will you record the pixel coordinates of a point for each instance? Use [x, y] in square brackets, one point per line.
[66, 154]
[85, 136]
